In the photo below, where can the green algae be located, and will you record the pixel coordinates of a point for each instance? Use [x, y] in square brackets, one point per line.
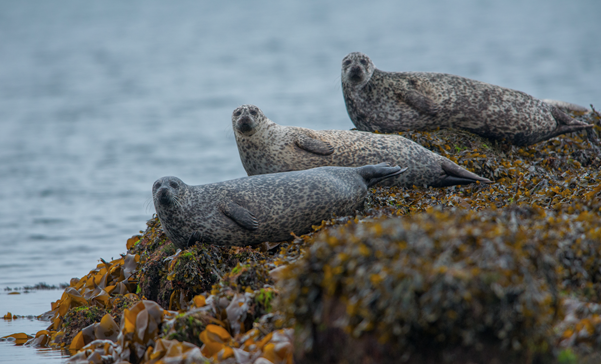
[265, 297]
[78, 318]
[187, 327]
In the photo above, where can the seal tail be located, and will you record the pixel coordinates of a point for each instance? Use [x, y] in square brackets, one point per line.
[563, 129]
[373, 174]
[456, 175]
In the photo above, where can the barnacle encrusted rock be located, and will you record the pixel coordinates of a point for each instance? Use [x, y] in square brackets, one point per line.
[448, 284]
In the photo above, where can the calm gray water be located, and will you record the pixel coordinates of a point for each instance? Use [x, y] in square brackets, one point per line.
[99, 99]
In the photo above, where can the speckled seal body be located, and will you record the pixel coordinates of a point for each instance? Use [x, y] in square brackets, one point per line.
[256, 209]
[266, 147]
[402, 101]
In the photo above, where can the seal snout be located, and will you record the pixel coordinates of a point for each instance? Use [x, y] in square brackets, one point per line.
[355, 74]
[244, 124]
[164, 195]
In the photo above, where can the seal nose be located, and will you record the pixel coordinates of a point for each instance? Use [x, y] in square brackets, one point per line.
[355, 73]
[244, 124]
[163, 195]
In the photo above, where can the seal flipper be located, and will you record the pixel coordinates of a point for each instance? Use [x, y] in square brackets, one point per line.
[419, 101]
[313, 145]
[195, 237]
[565, 124]
[373, 174]
[241, 216]
[456, 175]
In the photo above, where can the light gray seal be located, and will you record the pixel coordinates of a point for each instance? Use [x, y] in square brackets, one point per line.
[266, 147]
[252, 210]
[402, 101]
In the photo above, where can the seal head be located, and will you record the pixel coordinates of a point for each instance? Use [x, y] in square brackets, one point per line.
[168, 191]
[357, 69]
[246, 119]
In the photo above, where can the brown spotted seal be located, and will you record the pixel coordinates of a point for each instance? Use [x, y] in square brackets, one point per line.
[403, 101]
[266, 147]
[268, 207]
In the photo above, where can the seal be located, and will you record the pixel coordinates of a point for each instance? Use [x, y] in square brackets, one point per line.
[402, 101]
[252, 210]
[266, 147]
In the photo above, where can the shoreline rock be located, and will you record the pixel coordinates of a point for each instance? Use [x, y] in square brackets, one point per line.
[507, 272]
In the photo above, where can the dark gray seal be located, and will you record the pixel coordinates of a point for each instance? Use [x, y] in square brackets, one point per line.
[402, 101]
[266, 147]
[252, 210]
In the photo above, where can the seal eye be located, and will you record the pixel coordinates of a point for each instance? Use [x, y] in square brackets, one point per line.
[173, 184]
[347, 62]
[157, 184]
[237, 113]
[253, 112]
[363, 62]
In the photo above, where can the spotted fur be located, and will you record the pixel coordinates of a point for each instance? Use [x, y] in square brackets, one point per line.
[252, 210]
[266, 147]
[403, 101]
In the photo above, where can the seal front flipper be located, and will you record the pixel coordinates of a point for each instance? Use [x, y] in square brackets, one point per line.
[456, 175]
[194, 238]
[373, 174]
[420, 102]
[240, 215]
[313, 145]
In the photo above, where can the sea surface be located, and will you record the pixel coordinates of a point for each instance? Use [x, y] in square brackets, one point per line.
[98, 99]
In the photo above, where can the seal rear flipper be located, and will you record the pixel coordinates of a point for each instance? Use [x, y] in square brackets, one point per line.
[563, 129]
[563, 119]
[456, 175]
[422, 103]
[240, 215]
[565, 124]
[379, 172]
[313, 145]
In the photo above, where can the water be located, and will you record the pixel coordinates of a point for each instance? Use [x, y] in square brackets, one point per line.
[99, 99]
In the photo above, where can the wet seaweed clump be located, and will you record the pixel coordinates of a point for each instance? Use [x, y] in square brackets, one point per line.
[105, 290]
[213, 304]
[455, 285]
[232, 323]
[172, 278]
